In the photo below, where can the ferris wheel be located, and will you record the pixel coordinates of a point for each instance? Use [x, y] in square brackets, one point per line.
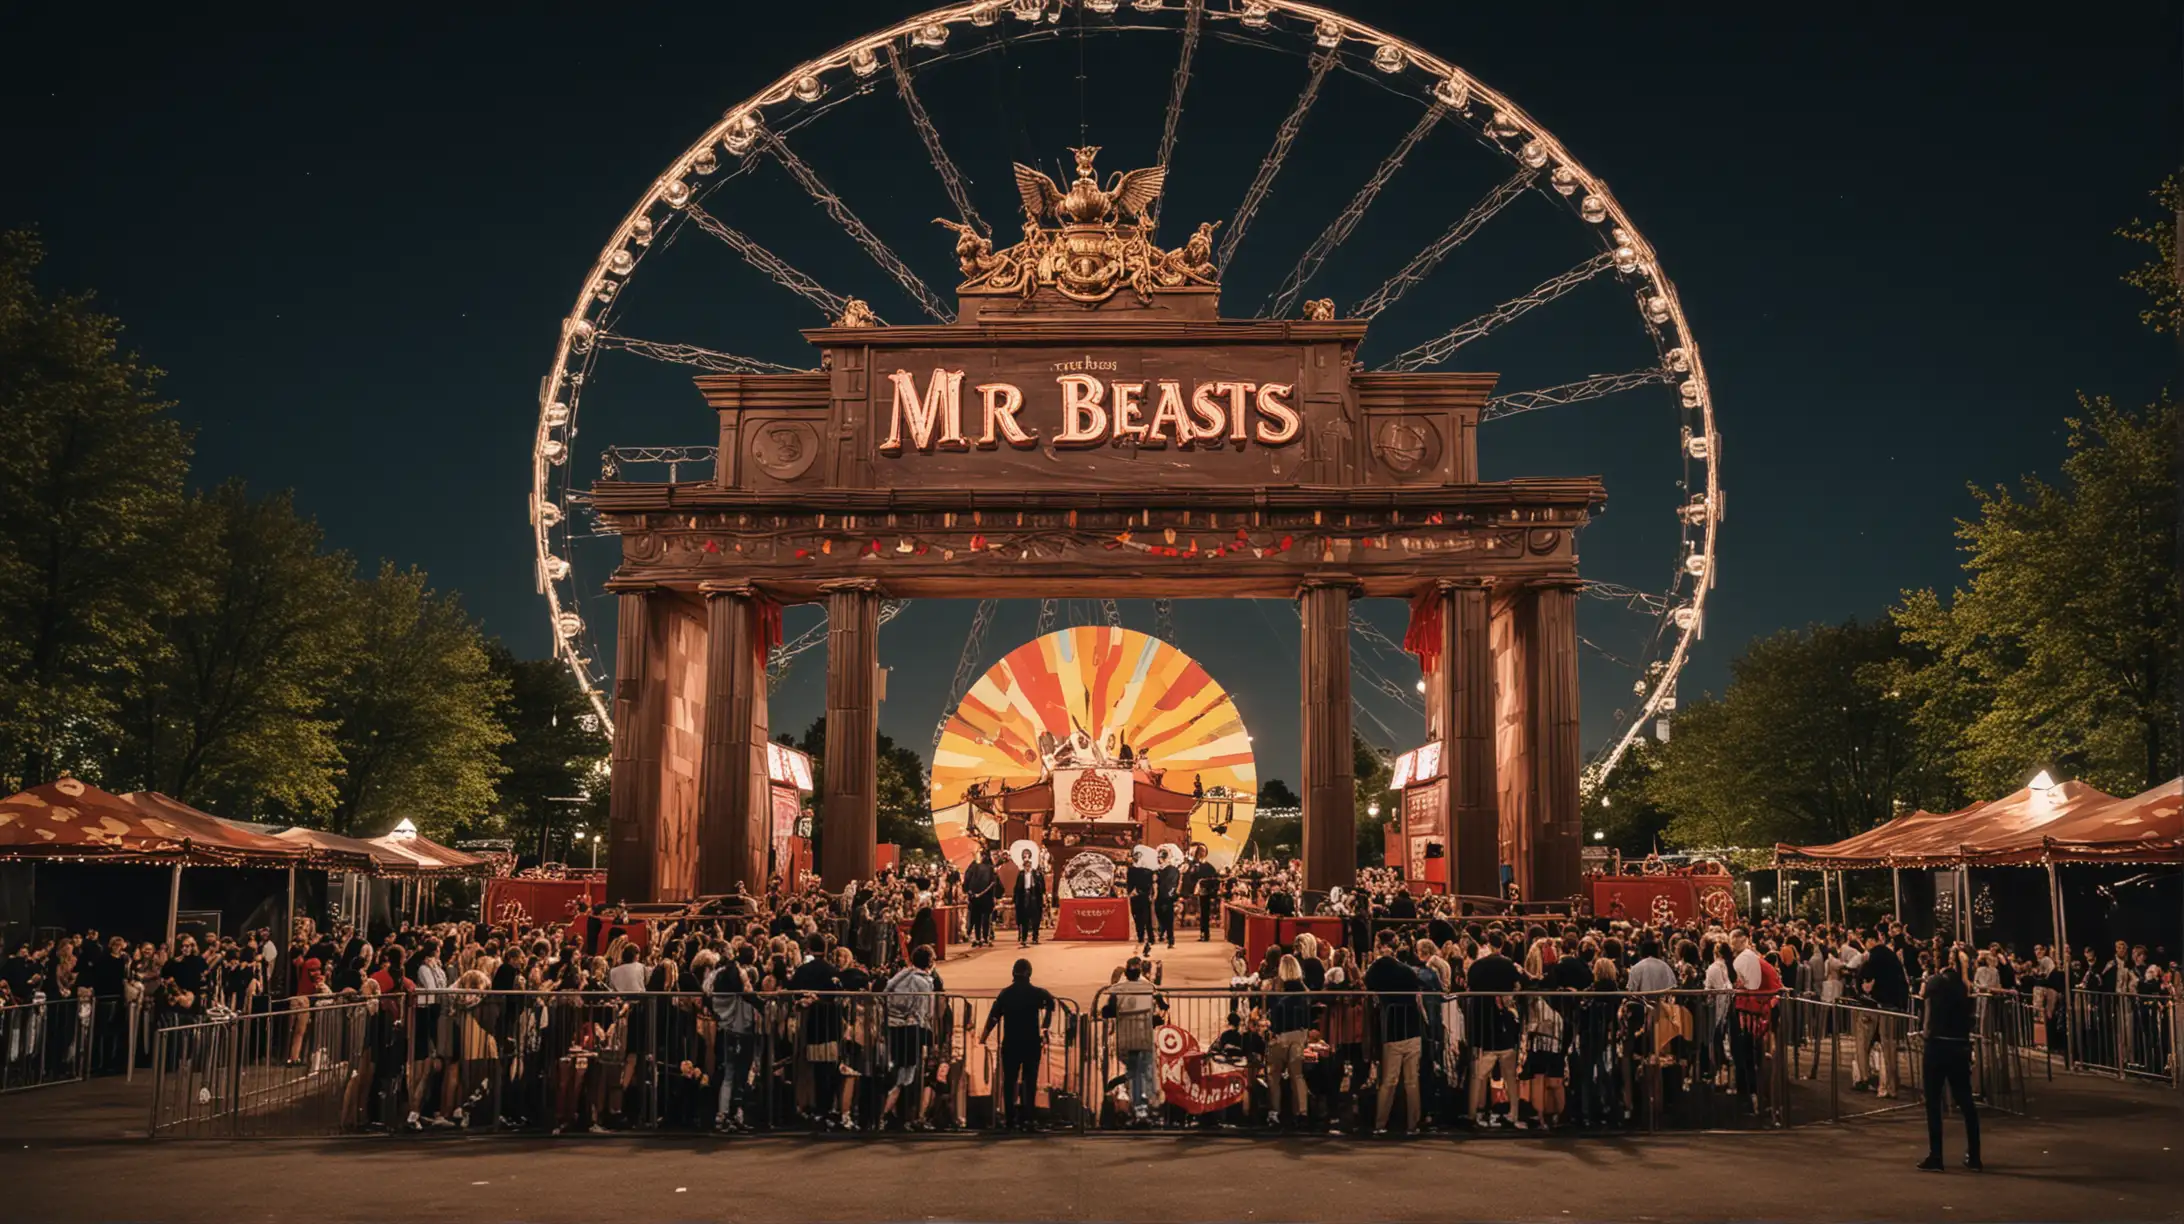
[781, 138]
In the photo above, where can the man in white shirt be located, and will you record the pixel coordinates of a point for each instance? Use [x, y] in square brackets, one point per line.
[629, 976]
[1747, 961]
[1651, 973]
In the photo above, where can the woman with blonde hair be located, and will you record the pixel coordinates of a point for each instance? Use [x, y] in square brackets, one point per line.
[1289, 1020]
[1545, 1062]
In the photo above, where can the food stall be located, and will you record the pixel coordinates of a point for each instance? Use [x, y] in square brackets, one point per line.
[1422, 835]
[788, 778]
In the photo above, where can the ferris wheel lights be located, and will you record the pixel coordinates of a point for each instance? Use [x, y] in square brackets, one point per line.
[1255, 15]
[1678, 360]
[1626, 259]
[1028, 10]
[1686, 617]
[1146, 6]
[1593, 209]
[1533, 154]
[604, 289]
[1453, 91]
[1695, 510]
[1698, 447]
[864, 61]
[555, 451]
[933, 34]
[1690, 391]
[581, 333]
[1656, 308]
[556, 568]
[743, 129]
[809, 88]
[675, 193]
[621, 261]
[1103, 7]
[568, 625]
[1667, 704]
[555, 415]
[1389, 58]
[1328, 33]
[1564, 180]
[641, 230]
[1503, 125]
[705, 162]
[1695, 565]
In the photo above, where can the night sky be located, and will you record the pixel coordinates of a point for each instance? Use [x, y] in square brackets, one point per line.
[349, 237]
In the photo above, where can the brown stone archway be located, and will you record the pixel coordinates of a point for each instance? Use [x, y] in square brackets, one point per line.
[1074, 436]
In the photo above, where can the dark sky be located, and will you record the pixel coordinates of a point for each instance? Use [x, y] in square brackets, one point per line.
[349, 236]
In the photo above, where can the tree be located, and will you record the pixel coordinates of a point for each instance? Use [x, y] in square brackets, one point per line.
[1623, 809]
[1276, 836]
[227, 713]
[1275, 793]
[1370, 774]
[905, 807]
[418, 731]
[2062, 650]
[2157, 276]
[1809, 742]
[90, 482]
[556, 750]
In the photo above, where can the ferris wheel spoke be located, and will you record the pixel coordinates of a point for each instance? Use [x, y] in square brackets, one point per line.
[966, 668]
[959, 192]
[1424, 262]
[1046, 617]
[1604, 653]
[1164, 620]
[766, 261]
[1194, 13]
[1271, 164]
[1111, 613]
[691, 355]
[1583, 389]
[1630, 597]
[1439, 349]
[841, 215]
[1339, 229]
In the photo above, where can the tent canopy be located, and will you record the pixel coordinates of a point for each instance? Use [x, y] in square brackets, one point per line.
[69, 818]
[2068, 822]
[431, 858]
[350, 854]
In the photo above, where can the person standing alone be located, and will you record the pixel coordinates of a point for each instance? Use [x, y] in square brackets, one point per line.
[1030, 899]
[1948, 1061]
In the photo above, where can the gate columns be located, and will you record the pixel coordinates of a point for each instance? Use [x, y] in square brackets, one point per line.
[1330, 789]
[640, 699]
[850, 823]
[733, 802]
[1460, 693]
[1557, 756]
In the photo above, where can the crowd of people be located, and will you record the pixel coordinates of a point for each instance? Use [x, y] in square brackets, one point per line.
[803, 1007]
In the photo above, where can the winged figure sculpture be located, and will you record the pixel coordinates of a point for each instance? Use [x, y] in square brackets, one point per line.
[1127, 196]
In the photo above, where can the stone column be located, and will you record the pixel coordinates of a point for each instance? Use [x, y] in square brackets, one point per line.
[1330, 791]
[733, 802]
[633, 800]
[1556, 753]
[1461, 691]
[849, 796]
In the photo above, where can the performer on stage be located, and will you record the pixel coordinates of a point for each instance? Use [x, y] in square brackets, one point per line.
[1205, 884]
[1139, 883]
[1030, 898]
[1167, 879]
[982, 889]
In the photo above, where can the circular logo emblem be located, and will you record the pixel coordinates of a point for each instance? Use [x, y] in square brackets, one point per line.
[784, 450]
[1092, 795]
[1406, 445]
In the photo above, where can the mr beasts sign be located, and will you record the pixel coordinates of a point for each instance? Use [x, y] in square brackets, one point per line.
[1086, 404]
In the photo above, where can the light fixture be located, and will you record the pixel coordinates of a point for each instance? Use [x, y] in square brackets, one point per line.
[1328, 33]
[1600, 834]
[863, 62]
[1593, 209]
[1372, 809]
[1389, 58]
[2041, 781]
[1421, 684]
[1453, 92]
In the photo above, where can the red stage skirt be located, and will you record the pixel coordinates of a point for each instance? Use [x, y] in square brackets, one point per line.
[1105, 918]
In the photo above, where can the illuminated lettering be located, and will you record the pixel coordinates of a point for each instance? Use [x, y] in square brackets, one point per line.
[1272, 408]
[1169, 411]
[1238, 410]
[942, 404]
[1207, 417]
[1129, 419]
[1001, 402]
[1084, 415]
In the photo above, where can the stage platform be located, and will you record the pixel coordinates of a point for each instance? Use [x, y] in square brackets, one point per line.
[1075, 969]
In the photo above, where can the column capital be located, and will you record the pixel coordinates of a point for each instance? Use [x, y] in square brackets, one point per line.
[1322, 582]
[632, 586]
[1572, 584]
[1469, 582]
[833, 586]
[736, 587]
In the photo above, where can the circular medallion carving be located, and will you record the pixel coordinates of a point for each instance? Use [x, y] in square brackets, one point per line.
[1407, 445]
[1544, 539]
[1090, 874]
[1092, 795]
[784, 450]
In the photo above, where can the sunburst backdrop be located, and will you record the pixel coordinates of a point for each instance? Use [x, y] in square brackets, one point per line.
[1107, 682]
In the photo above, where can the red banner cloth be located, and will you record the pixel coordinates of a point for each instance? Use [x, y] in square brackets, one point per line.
[543, 902]
[1105, 918]
[1423, 636]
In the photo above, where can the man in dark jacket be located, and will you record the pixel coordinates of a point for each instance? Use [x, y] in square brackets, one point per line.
[1204, 883]
[982, 888]
[1401, 1015]
[1881, 976]
[1030, 899]
[1948, 1061]
[1491, 1024]
[1167, 881]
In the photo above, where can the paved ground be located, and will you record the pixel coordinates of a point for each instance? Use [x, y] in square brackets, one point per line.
[2099, 1151]
[1076, 969]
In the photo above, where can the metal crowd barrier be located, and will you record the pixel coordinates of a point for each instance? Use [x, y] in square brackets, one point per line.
[47, 1042]
[2130, 1036]
[1355, 1061]
[598, 1061]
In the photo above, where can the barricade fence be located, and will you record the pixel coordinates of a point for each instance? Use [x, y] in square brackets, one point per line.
[2130, 1036]
[600, 1062]
[47, 1042]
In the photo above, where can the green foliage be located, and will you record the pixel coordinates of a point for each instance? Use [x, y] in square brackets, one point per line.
[2062, 652]
[556, 749]
[227, 711]
[91, 470]
[1810, 742]
[2158, 275]
[417, 714]
[1276, 836]
[1370, 775]
[905, 810]
[1623, 808]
